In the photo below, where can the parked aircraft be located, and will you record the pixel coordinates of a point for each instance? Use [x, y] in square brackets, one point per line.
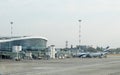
[93, 54]
[81, 54]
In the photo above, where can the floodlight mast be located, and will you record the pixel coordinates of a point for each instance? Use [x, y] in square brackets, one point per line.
[11, 28]
[11, 35]
[79, 32]
[11, 41]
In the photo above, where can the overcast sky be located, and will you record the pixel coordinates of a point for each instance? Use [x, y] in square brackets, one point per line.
[57, 20]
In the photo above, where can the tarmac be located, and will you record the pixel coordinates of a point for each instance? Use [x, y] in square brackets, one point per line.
[68, 66]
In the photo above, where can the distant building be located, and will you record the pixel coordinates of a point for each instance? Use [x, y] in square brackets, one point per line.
[28, 43]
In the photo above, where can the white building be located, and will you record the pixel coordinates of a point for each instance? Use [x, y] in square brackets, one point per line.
[51, 51]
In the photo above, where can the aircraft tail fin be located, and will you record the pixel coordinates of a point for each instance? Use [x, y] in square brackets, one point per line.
[107, 49]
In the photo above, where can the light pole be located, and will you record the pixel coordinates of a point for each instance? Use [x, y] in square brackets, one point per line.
[11, 34]
[11, 28]
[10, 44]
[79, 32]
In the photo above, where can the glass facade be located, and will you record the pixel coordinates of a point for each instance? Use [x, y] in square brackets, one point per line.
[32, 44]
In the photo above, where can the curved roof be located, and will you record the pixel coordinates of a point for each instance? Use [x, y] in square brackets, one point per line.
[23, 38]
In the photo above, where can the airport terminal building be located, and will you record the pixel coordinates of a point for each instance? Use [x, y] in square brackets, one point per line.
[28, 43]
